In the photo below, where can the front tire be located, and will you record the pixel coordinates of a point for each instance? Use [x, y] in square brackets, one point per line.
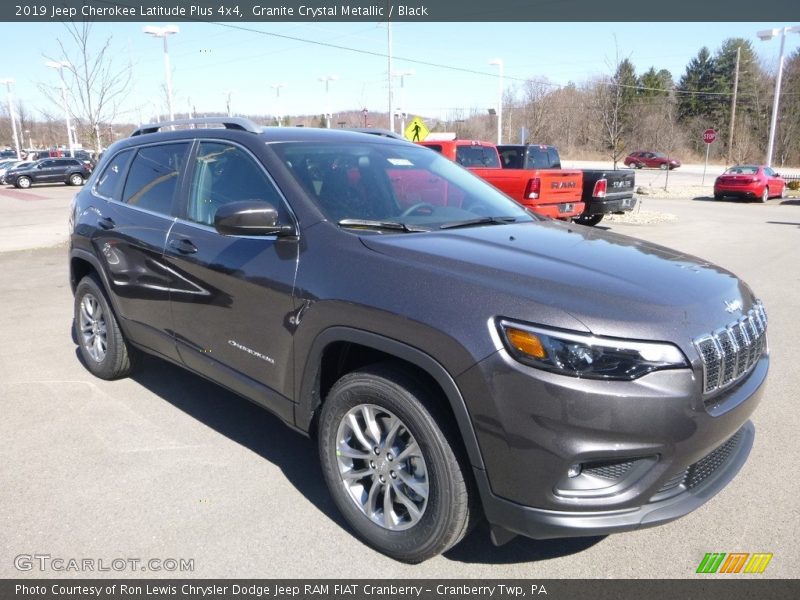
[392, 465]
[102, 345]
[23, 182]
[663, 166]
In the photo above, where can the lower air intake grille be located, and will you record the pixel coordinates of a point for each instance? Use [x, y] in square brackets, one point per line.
[698, 472]
[703, 468]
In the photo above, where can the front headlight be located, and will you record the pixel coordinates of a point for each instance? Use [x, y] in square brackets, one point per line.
[583, 355]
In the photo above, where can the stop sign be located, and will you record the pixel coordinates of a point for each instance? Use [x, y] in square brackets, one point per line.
[709, 135]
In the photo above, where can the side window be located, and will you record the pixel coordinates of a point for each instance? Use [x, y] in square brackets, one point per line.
[512, 158]
[553, 159]
[109, 184]
[769, 172]
[224, 173]
[46, 164]
[153, 177]
[477, 156]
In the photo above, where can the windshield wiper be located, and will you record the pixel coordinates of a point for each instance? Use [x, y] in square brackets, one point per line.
[379, 225]
[479, 221]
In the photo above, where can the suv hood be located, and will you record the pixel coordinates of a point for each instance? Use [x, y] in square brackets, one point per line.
[613, 284]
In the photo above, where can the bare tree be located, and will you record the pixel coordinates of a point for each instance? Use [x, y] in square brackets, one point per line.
[97, 84]
[608, 106]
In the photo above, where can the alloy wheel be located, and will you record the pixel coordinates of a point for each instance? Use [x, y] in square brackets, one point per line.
[382, 467]
[92, 323]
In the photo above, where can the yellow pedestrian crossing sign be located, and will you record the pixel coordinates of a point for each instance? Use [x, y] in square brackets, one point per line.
[416, 130]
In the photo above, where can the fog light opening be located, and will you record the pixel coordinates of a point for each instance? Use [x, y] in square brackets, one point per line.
[574, 471]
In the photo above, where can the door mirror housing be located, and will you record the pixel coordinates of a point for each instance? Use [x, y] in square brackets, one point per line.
[250, 217]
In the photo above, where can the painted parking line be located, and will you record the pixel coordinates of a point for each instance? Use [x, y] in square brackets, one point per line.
[20, 194]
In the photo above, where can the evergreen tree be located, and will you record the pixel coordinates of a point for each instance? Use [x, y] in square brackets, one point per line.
[698, 80]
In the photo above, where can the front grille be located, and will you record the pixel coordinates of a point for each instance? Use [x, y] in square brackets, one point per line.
[730, 352]
[698, 472]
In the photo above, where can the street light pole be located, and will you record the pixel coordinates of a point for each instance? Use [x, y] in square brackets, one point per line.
[391, 98]
[327, 79]
[403, 108]
[11, 113]
[277, 87]
[163, 33]
[766, 35]
[61, 65]
[228, 95]
[499, 63]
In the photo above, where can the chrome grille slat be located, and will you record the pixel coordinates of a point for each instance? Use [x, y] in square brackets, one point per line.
[730, 352]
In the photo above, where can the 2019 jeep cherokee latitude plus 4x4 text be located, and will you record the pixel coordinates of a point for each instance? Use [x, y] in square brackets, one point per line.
[453, 355]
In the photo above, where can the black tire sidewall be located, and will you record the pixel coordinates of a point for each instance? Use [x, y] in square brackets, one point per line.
[425, 539]
[114, 365]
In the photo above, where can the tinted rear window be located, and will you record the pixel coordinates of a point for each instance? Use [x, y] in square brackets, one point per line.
[477, 156]
[153, 177]
[542, 158]
[109, 184]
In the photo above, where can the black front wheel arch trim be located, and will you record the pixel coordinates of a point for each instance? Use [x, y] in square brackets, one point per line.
[309, 401]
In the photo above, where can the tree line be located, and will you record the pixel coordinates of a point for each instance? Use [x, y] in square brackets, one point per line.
[605, 117]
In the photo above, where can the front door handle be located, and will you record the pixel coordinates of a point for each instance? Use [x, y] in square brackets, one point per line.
[106, 223]
[183, 245]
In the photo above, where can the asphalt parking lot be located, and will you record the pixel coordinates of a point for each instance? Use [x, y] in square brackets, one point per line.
[167, 466]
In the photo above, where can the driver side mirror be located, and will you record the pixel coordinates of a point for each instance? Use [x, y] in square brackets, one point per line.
[250, 217]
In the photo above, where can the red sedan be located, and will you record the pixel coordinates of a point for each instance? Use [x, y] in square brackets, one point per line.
[654, 160]
[750, 181]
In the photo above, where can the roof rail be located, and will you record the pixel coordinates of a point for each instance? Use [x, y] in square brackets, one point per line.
[238, 123]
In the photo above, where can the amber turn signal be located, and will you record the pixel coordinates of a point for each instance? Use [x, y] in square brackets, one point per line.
[526, 342]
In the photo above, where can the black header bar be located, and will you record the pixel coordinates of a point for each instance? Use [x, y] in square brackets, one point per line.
[266, 11]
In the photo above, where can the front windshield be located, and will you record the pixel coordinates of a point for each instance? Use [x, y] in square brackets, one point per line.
[393, 183]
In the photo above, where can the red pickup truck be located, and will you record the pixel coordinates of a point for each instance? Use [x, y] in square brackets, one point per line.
[551, 192]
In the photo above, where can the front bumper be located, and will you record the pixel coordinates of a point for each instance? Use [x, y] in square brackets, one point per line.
[656, 441]
[536, 523]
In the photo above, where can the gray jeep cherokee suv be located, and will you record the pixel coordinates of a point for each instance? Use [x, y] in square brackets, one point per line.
[454, 356]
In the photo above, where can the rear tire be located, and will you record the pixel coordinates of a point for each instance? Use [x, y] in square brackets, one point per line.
[765, 194]
[386, 445]
[75, 179]
[718, 196]
[663, 166]
[102, 345]
[588, 220]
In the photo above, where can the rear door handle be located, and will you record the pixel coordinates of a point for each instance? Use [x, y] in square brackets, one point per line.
[183, 245]
[106, 223]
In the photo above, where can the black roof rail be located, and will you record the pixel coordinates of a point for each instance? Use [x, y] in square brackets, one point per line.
[238, 123]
